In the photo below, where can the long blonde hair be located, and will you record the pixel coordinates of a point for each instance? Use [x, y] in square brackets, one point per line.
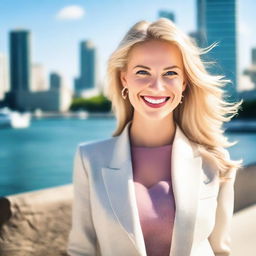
[203, 111]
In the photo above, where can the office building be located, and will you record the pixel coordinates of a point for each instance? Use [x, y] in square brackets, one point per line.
[38, 81]
[29, 90]
[4, 81]
[254, 56]
[217, 21]
[20, 77]
[195, 36]
[51, 100]
[251, 71]
[86, 80]
[166, 14]
[55, 81]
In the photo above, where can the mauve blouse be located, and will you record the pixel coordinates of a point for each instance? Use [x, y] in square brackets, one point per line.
[154, 196]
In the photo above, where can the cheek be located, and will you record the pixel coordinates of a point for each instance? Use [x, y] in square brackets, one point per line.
[138, 82]
[174, 84]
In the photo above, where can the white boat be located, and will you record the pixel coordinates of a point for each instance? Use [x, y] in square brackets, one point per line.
[20, 120]
[14, 119]
[38, 113]
[82, 114]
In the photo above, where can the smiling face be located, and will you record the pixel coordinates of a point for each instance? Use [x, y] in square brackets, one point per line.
[154, 78]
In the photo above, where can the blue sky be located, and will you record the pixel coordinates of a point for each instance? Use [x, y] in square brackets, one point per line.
[55, 40]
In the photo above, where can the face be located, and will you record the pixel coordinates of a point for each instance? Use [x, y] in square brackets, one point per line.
[155, 78]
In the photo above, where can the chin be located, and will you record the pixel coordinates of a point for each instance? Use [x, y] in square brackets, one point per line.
[157, 116]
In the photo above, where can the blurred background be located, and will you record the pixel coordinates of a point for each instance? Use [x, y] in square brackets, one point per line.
[53, 57]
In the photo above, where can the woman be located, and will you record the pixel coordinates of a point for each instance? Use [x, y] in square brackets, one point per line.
[163, 184]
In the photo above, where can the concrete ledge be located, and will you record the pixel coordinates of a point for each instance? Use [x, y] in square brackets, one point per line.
[244, 232]
[245, 187]
[37, 223]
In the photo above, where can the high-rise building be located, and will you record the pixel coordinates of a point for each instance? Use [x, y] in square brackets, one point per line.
[51, 100]
[166, 14]
[20, 60]
[254, 56]
[251, 71]
[21, 97]
[195, 36]
[87, 67]
[38, 81]
[201, 22]
[216, 22]
[4, 81]
[55, 81]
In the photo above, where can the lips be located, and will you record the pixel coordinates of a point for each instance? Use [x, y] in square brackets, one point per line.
[157, 101]
[155, 97]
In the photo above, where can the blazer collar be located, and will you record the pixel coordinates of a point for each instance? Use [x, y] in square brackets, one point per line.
[186, 170]
[122, 150]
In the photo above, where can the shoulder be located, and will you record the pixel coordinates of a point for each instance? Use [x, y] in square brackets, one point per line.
[96, 148]
[93, 145]
[231, 172]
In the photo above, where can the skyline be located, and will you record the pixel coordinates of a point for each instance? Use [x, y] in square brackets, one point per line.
[57, 30]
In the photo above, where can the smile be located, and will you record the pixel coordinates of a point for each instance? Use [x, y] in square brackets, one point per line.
[155, 102]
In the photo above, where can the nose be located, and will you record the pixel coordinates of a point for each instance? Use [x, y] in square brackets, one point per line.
[158, 85]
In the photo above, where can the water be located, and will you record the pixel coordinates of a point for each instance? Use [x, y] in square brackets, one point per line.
[42, 155]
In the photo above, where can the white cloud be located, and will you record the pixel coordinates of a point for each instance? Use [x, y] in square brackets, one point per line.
[72, 12]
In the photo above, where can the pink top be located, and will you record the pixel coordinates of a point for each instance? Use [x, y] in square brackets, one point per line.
[155, 201]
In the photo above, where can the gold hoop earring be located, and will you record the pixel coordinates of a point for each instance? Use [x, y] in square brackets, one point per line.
[124, 94]
[181, 99]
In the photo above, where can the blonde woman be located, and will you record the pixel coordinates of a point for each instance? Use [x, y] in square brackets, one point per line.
[162, 185]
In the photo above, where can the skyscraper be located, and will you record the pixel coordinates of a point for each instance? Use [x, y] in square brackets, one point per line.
[216, 22]
[167, 14]
[21, 97]
[20, 60]
[38, 81]
[251, 71]
[254, 56]
[55, 81]
[4, 86]
[87, 67]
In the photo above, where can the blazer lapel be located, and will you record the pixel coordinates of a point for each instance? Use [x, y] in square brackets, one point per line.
[186, 171]
[118, 178]
[186, 176]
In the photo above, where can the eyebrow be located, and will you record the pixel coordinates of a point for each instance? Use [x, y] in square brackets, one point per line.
[142, 66]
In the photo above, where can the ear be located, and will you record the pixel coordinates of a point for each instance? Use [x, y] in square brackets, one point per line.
[184, 85]
[123, 78]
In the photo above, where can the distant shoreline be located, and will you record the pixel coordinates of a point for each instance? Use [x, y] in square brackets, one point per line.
[70, 114]
[234, 126]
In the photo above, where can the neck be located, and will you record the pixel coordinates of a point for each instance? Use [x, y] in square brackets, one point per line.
[151, 133]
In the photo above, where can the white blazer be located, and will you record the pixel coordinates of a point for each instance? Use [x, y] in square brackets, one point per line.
[105, 219]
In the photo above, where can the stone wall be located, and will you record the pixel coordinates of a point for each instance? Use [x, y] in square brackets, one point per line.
[36, 223]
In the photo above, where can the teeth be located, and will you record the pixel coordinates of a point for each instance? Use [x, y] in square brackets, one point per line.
[154, 101]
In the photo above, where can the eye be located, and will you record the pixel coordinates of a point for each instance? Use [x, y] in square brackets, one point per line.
[139, 72]
[172, 73]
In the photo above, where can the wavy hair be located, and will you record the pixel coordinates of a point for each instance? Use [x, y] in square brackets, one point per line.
[204, 109]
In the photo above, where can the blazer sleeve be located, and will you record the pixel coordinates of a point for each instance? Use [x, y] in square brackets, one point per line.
[82, 239]
[220, 238]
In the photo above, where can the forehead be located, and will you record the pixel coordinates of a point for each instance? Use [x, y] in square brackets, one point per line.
[155, 52]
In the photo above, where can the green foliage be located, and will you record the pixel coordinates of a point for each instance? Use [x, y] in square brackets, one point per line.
[100, 103]
[97, 103]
